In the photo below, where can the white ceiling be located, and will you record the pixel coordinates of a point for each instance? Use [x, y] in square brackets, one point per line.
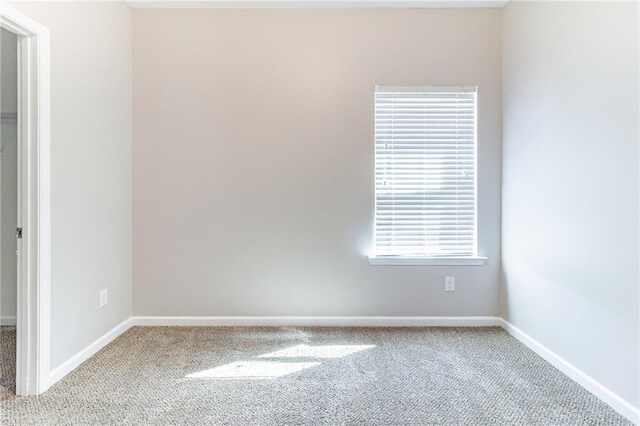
[308, 4]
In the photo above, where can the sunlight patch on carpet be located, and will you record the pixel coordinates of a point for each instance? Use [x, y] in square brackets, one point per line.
[253, 370]
[306, 351]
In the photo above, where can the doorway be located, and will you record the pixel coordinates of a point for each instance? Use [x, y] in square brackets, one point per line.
[8, 210]
[26, 246]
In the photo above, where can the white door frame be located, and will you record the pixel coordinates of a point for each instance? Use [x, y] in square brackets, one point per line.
[34, 252]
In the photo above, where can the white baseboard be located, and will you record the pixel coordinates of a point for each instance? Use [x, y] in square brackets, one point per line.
[72, 363]
[616, 402]
[302, 321]
[8, 321]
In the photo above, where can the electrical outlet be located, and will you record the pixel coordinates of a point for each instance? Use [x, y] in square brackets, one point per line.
[449, 284]
[103, 298]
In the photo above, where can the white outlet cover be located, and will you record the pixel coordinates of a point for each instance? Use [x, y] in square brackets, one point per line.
[103, 298]
[449, 284]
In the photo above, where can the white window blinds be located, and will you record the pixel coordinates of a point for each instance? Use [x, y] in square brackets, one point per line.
[425, 171]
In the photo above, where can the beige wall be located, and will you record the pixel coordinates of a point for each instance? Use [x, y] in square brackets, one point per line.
[571, 184]
[253, 158]
[90, 169]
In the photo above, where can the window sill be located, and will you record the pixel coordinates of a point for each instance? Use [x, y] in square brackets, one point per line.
[427, 261]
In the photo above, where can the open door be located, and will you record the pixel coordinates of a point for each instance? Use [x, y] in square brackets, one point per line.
[8, 210]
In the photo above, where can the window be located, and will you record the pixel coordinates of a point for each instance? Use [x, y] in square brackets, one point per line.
[425, 175]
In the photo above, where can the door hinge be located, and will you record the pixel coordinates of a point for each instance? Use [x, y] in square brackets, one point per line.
[19, 233]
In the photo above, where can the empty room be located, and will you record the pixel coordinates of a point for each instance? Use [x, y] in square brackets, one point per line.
[320, 212]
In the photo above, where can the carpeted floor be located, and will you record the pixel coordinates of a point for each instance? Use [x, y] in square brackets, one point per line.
[7, 362]
[313, 376]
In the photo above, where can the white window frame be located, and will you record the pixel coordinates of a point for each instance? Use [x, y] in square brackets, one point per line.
[472, 260]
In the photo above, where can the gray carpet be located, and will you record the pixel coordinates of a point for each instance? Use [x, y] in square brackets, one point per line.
[7, 362]
[313, 376]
